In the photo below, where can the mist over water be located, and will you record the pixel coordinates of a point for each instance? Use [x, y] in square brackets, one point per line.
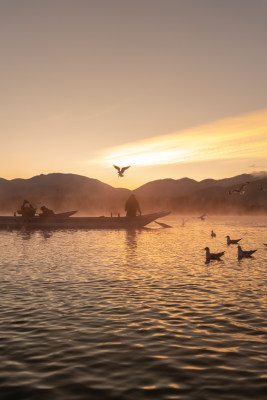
[134, 314]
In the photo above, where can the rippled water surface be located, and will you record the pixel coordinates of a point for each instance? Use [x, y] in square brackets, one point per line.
[134, 314]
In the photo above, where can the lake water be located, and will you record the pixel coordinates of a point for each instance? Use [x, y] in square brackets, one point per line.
[134, 314]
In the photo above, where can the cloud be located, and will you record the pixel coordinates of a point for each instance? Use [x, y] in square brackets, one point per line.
[256, 166]
[244, 136]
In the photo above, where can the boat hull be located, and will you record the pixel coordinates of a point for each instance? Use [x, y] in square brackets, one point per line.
[37, 223]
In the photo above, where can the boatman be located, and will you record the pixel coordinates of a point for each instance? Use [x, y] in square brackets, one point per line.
[132, 206]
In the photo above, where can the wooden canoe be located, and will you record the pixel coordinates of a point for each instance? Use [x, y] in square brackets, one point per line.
[66, 222]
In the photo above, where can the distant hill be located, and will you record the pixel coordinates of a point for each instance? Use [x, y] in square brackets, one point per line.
[209, 195]
[186, 186]
[63, 192]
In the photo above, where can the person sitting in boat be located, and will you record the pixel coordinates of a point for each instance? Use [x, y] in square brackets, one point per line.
[132, 206]
[27, 210]
[46, 212]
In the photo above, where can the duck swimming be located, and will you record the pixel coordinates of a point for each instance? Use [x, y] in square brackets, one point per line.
[244, 253]
[213, 256]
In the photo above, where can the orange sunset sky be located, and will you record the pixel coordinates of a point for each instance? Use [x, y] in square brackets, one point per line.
[173, 88]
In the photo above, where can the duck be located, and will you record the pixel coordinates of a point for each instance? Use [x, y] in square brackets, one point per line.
[244, 253]
[213, 256]
[232, 241]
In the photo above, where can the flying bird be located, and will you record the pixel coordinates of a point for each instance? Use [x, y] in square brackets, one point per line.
[244, 253]
[213, 256]
[120, 170]
[240, 190]
[232, 241]
[202, 217]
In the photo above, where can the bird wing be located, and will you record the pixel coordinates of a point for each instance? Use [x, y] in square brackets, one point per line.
[124, 169]
[118, 168]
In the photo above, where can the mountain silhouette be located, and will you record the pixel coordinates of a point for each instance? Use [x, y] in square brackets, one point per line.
[63, 192]
[186, 186]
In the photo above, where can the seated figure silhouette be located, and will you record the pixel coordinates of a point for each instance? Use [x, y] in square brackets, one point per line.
[27, 210]
[46, 212]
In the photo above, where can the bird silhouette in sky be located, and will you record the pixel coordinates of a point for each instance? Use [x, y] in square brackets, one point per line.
[240, 190]
[121, 170]
[202, 217]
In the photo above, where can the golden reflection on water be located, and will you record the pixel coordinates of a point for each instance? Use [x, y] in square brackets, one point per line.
[135, 310]
[148, 387]
[174, 385]
[131, 243]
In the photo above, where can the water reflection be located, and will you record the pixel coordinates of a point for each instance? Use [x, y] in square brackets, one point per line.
[215, 261]
[46, 234]
[131, 243]
[132, 314]
[25, 235]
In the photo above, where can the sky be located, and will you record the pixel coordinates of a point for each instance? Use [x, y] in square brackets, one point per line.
[173, 88]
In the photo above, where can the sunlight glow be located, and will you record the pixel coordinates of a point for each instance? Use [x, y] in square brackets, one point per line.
[239, 137]
[152, 158]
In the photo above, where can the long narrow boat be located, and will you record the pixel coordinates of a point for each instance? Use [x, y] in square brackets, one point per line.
[65, 222]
